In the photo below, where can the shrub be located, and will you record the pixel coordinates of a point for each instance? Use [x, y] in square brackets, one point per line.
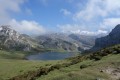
[83, 66]
[97, 58]
[57, 66]
[44, 71]
[66, 64]
[75, 61]
[103, 54]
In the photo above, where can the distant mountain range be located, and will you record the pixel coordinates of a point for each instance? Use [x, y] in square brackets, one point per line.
[11, 39]
[71, 42]
[112, 39]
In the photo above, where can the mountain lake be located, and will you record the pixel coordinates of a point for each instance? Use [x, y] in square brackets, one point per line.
[51, 56]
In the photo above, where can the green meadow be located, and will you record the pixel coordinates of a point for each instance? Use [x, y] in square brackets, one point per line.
[14, 64]
[92, 71]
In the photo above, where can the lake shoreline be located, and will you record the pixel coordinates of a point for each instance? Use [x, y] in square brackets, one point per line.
[51, 56]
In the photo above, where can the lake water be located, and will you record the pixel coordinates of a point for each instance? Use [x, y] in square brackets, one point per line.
[50, 56]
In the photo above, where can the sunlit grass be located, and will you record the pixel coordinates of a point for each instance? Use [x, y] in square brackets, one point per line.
[92, 72]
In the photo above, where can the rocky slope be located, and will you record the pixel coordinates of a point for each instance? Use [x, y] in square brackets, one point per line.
[112, 39]
[72, 42]
[86, 42]
[57, 42]
[12, 40]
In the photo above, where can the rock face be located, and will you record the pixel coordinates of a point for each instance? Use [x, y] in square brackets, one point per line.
[112, 39]
[57, 41]
[66, 42]
[10, 39]
[86, 42]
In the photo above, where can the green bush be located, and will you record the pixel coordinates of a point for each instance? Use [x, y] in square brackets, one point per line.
[44, 71]
[96, 58]
[57, 66]
[83, 66]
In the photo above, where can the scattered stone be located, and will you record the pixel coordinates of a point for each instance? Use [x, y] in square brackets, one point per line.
[100, 79]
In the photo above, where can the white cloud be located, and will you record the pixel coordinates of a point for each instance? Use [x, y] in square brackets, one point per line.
[77, 29]
[90, 33]
[98, 8]
[27, 27]
[24, 26]
[109, 23]
[65, 12]
[9, 5]
[69, 27]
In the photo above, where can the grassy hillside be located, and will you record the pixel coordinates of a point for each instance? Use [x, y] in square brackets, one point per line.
[101, 65]
[10, 68]
[13, 54]
[92, 70]
[13, 63]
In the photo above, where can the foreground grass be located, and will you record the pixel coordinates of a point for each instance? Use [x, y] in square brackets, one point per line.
[12, 63]
[10, 68]
[91, 66]
[91, 72]
[13, 54]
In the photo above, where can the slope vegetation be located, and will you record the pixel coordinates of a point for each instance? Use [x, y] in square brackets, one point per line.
[104, 64]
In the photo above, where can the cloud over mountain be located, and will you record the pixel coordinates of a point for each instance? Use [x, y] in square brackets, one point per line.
[76, 29]
[83, 16]
[27, 27]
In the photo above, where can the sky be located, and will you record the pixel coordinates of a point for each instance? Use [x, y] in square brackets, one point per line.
[34, 17]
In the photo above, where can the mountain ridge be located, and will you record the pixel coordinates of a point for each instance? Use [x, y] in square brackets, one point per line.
[112, 39]
[12, 40]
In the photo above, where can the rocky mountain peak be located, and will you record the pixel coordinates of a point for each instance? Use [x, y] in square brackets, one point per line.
[7, 31]
[5, 26]
[11, 39]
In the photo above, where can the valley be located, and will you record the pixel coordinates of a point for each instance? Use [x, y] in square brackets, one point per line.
[51, 58]
[59, 39]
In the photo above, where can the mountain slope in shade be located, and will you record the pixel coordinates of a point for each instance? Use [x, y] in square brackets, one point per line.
[112, 39]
